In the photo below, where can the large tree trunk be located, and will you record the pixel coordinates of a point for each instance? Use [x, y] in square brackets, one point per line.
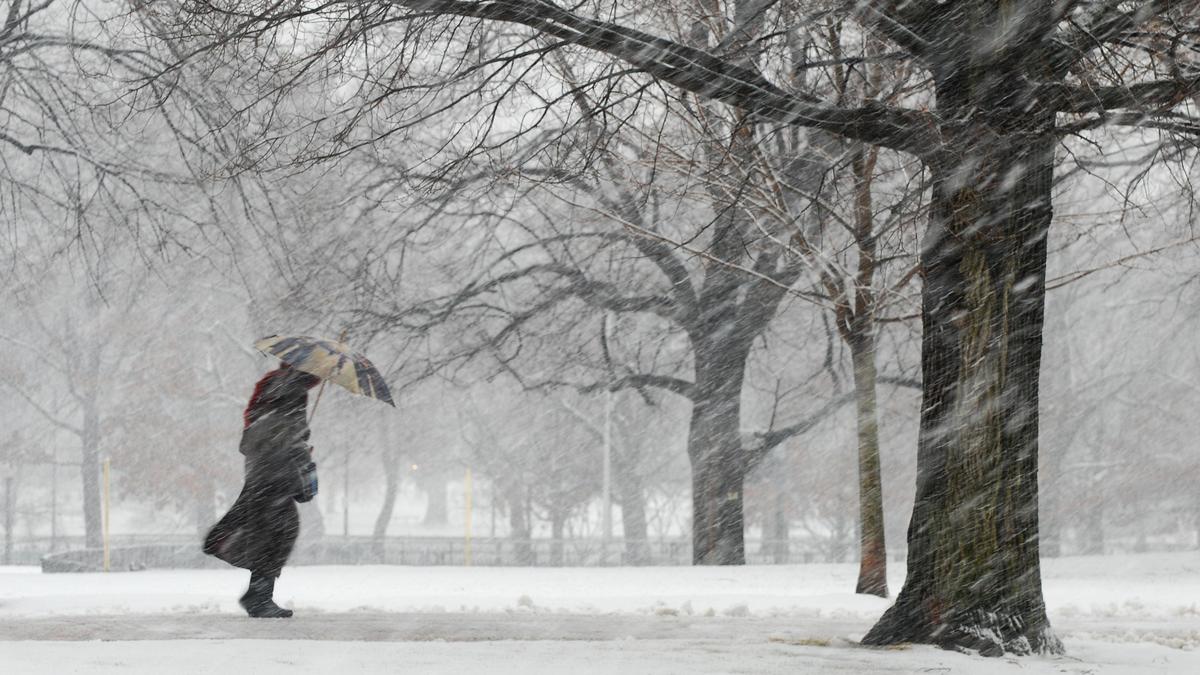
[391, 486]
[730, 315]
[974, 578]
[718, 462]
[872, 571]
[390, 489]
[633, 515]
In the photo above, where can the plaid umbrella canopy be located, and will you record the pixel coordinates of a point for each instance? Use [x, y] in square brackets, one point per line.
[330, 360]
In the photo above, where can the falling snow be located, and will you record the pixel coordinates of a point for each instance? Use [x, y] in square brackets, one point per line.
[606, 337]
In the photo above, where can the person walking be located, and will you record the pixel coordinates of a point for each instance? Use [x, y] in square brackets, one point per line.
[261, 527]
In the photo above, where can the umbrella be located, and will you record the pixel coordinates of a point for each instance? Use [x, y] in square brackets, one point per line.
[330, 360]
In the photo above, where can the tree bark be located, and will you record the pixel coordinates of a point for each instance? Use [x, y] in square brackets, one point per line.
[391, 479]
[717, 492]
[718, 462]
[633, 515]
[974, 579]
[872, 571]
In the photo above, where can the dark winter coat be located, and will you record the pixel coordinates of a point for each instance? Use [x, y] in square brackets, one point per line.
[261, 527]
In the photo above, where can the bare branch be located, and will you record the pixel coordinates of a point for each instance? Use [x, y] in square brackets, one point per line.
[769, 440]
[1150, 98]
[46, 414]
[699, 72]
[674, 385]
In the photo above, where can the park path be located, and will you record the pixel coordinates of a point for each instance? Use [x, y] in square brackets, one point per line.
[420, 627]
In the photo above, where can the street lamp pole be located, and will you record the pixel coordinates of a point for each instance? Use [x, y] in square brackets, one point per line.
[606, 514]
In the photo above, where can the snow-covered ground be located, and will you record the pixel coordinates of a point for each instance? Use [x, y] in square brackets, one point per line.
[1116, 614]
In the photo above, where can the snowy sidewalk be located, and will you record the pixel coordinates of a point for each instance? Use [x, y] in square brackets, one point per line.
[1117, 615]
[376, 627]
[581, 646]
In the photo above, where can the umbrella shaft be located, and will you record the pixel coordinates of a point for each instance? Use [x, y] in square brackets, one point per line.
[316, 402]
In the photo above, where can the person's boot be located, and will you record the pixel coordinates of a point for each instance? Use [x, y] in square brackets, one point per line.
[258, 601]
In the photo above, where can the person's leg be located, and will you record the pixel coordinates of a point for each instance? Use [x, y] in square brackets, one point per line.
[259, 601]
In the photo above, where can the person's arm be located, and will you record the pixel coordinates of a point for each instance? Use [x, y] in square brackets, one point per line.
[307, 475]
[305, 471]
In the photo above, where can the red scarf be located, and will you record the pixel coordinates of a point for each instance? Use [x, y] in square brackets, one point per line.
[259, 389]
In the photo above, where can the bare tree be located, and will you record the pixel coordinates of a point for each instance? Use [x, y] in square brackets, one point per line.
[81, 356]
[721, 292]
[1006, 82]
[544, 466]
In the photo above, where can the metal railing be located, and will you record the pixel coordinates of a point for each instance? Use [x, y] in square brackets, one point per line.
[182, 551]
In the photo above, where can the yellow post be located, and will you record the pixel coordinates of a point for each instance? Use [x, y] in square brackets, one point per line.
[467, 544]
[107, 462]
